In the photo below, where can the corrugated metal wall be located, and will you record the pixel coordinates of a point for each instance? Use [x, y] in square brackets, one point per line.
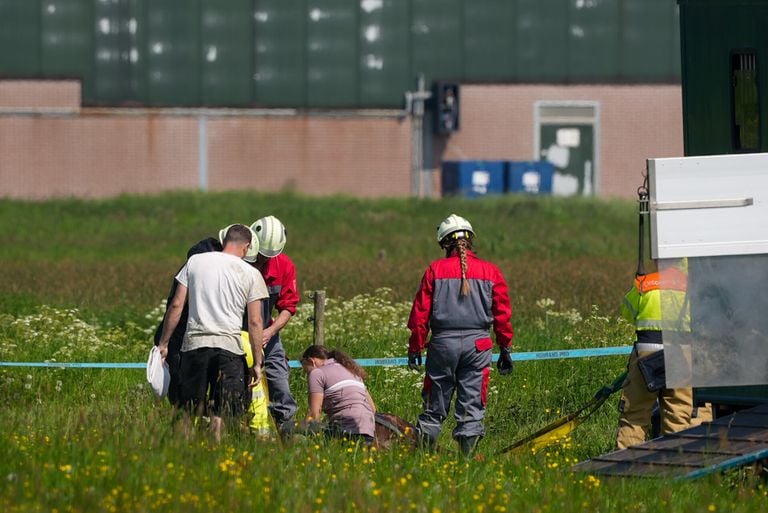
[712, 32]
[329, 53]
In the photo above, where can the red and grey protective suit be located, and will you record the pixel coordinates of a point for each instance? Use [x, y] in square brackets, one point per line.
[459, 351]
[280, 276]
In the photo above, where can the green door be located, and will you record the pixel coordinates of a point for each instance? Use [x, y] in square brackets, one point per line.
[570, 147]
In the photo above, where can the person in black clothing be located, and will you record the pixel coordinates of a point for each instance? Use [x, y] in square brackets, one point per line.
[174, 346]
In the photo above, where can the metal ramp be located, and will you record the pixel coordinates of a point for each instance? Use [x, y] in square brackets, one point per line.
[729, 442]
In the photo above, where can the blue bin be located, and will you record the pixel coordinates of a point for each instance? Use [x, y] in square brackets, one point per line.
[530, 177]
[473, 178]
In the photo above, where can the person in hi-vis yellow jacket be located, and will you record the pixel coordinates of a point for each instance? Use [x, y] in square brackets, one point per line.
[642, 306]
[258, 413]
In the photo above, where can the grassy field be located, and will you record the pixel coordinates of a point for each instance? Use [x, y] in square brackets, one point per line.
[84, 281]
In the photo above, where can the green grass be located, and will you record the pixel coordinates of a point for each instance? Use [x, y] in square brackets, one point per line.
[83, 281]
[114, 259]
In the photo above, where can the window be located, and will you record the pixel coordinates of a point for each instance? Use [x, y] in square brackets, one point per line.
[745, 111]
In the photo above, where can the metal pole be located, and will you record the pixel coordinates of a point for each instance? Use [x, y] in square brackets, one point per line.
[417, 125]
[202, 153]
[318, 317]
[415, 104]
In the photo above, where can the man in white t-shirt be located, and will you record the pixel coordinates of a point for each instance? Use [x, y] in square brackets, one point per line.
[219, 286]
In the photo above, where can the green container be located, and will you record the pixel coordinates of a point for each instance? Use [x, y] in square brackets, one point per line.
[329, 53]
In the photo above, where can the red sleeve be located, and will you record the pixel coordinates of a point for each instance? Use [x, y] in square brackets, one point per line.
[502, 313]
[418, 321]
[289, 292]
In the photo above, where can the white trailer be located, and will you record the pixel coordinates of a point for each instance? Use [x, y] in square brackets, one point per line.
[713, 211]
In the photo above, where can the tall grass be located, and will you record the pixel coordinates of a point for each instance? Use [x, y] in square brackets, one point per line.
[85, 281]
[115, 258]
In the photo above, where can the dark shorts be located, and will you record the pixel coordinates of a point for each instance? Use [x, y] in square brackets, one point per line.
[212, 382]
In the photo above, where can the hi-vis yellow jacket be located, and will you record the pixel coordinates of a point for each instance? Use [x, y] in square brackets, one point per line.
[258, 409]
[657, 302]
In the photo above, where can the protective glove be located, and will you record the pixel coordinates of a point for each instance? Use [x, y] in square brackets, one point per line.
[603, 392]
[505, 363]
[414, 360]
[617, 385]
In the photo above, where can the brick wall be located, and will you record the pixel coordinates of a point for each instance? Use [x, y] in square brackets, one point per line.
[31, 94]
[97, 152]
[321, 155]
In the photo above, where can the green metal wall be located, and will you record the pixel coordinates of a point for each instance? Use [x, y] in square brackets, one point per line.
[710, 31]
[329, 53]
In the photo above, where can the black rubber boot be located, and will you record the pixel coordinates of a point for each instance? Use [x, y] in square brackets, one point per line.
[425, 442]
[468, 444]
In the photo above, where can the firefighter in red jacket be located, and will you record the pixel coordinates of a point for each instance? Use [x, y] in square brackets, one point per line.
[459, 299]
[280, 276]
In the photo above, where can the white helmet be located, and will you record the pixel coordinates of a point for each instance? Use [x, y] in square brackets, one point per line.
[253, 249]
[457, 225]
[271, 234]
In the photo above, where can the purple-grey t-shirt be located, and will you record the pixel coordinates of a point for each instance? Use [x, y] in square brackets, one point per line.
[345, 400]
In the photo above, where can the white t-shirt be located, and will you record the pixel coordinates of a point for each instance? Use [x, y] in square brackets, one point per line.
[219, 286]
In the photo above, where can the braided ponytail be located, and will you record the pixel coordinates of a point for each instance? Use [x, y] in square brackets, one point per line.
[462, 245]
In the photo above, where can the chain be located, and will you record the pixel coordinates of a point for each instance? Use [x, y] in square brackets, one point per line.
[642, 196]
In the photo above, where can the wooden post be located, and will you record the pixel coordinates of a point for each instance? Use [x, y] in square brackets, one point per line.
[319, 317]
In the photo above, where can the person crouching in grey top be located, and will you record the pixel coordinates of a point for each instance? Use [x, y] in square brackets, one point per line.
[337, 389]
[219, 287]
